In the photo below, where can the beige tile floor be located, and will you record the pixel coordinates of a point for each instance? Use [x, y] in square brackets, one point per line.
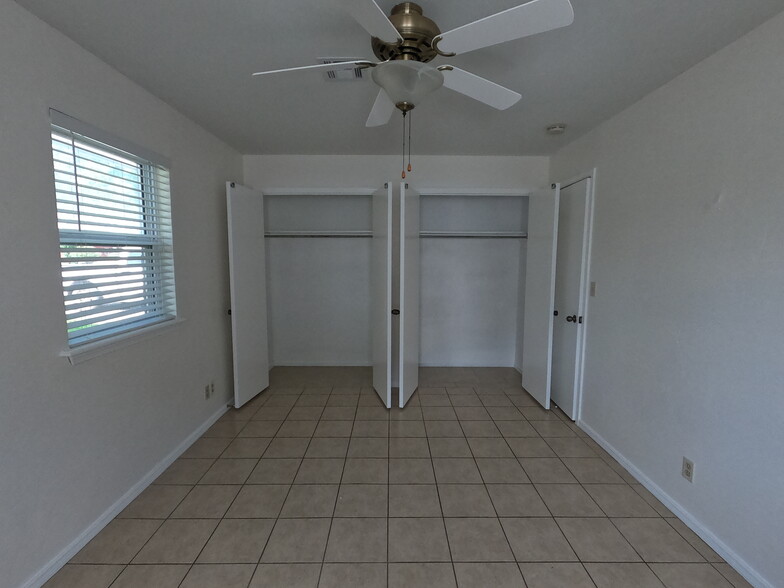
[314, 483]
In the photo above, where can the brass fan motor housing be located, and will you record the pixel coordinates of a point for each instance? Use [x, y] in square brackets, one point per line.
[417, 31]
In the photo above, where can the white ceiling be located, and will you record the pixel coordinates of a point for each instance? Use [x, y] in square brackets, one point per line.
[198, 55]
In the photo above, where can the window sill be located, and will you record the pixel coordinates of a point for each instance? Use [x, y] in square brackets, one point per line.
[89, 351]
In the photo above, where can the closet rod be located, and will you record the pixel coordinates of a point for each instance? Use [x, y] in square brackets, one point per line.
[321, 235]
[318, 191]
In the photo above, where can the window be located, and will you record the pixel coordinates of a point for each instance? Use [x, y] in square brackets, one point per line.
[114, 219]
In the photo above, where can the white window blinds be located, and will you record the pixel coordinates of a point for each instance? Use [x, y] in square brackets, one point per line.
[114, 218]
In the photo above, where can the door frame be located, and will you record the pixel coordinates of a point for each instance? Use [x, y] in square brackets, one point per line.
[585, 279]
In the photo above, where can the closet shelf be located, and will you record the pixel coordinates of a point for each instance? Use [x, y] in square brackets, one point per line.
[473, 193]
[369, 234]
[318, 234]
[472, 235]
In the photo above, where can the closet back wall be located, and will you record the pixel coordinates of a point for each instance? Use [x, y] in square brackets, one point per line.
[330, 339]
[318, 289]
[471, 287]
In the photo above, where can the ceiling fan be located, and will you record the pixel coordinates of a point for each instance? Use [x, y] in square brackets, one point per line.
[407, 40]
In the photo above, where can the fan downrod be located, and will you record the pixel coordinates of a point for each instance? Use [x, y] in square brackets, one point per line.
[417, 31]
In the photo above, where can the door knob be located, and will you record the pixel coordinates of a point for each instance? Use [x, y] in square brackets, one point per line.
[571, 319]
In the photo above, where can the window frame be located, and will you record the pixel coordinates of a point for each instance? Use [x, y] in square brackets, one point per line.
[141, 239]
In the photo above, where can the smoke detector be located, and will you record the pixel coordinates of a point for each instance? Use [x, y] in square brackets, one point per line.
[556, 129]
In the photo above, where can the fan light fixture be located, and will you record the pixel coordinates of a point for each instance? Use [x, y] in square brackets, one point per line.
[406, 40]
[407, 82]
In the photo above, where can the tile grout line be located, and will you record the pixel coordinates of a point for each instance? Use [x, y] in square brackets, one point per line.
[490, 498]
[337, 494]
[441, 507]
[163, 522]
[266, 541]
[283, 502]
[536, 489]
[560, 455]
[269, 536]
[194, 486]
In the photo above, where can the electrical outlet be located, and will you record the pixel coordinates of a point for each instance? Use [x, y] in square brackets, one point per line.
[687, 470]
[207, 392]
[212, 387]
[593, 289]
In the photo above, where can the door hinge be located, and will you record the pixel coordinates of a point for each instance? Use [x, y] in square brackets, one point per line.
[580, 320]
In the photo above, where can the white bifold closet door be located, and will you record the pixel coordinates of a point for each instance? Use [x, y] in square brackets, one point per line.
[409, 292]
[570, 278]
[248, 282]
[539, 293]
[381, 294]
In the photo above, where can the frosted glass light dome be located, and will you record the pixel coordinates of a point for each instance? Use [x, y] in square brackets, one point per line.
[407, 82]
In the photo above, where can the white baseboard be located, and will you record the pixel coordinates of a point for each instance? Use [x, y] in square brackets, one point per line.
[732, 558]
[54, 565]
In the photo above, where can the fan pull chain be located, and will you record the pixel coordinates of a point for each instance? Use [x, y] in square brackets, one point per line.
[410, 119]
[403, 175]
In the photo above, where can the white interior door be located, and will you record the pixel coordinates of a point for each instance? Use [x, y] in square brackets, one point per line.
[381, 294]
[570, 276]
[248, 282]
[409, 292]
[539, 293]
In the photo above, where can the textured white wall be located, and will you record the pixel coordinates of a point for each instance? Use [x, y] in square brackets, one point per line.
[685, 339]
[474, 325]
[74, 439]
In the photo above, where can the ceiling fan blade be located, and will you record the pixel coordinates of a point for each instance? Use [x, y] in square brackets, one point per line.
[372, 18]
[527, 19]
[382, 110]
[337, 65]
[478, 88]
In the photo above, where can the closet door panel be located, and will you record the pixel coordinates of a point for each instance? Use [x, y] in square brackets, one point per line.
[247, 277]
[409, 293]
[381, 294]
[539, 293]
